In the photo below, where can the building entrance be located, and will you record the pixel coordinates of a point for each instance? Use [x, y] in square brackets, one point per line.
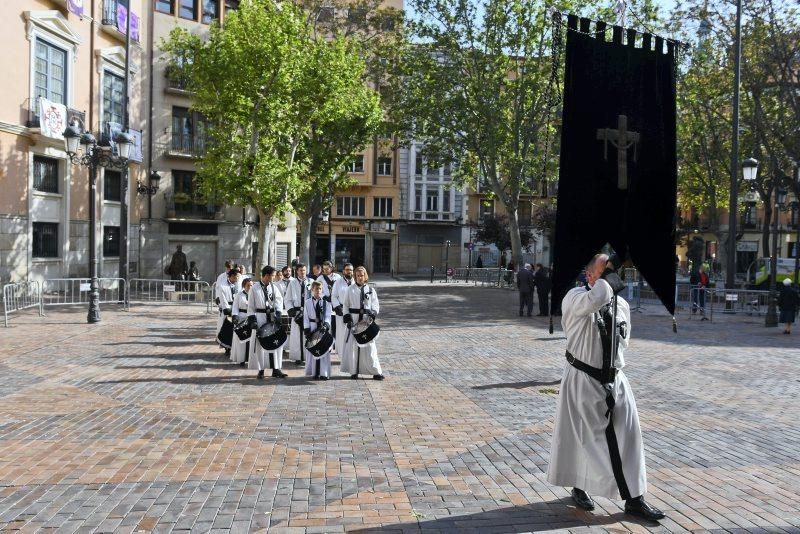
[381, 255]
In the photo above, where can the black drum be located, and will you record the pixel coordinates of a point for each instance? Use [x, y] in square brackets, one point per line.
[243, 330]
[225, 334]
[271, 336]
[319, 343]
[365, 331]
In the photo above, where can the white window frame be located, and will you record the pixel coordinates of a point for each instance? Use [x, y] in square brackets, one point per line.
[352, 168]
[481, 203]
[385, 207]
[349, 201]
[51, 27]
[391, 164]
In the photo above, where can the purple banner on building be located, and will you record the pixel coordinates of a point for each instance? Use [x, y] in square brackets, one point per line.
[75, 6]
[122, 21]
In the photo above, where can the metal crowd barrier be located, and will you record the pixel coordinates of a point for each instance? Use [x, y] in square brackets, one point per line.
[146, 291]
[69, 291]
[485, 276]
[19, 296]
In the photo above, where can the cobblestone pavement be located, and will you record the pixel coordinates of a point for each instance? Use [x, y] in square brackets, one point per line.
[140, 423]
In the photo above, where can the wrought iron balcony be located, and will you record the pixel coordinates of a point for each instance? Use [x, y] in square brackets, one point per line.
[182, 145]
[184, 206]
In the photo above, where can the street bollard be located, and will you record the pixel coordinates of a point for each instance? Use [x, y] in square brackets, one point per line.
[432, 271]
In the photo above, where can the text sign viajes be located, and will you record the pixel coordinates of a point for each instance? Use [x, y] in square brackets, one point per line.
[169, 288]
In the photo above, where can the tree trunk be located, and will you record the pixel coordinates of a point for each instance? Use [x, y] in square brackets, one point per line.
[516, 241]
[766, 229]
[264, 241]
[305, 238]
[722, 249]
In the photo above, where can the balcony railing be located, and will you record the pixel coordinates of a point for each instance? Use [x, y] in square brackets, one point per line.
[176, 80]
[32, 111]
[433, 216]
[192, 208]
[185, 146]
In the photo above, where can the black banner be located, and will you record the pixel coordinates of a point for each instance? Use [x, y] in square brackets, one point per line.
[618, 178]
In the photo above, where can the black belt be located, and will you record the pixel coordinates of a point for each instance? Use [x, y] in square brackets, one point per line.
[263, 310]
[594, 372]
[611, 437]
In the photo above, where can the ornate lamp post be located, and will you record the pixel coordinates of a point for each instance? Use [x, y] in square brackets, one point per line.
[772, 313]
[151, 188]
[82, 150]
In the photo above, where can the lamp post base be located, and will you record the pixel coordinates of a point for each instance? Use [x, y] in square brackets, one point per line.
[771, 319]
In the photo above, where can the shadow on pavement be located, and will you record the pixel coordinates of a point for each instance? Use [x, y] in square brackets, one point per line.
[539, 517]
[518, 385]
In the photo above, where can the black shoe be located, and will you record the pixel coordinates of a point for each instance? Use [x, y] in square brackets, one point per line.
[520, 313]
[299, 362]
[242, 364]
[638, 507]
[227, 352]
[260, 374]
[378, 377]
[354, 377]
[277, 373]
[529, 315]
[582, 499]
[323, 378]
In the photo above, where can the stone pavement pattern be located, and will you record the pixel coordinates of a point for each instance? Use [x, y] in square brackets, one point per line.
[140, 423]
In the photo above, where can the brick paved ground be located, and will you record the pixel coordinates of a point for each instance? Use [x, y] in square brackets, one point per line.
[140, 424]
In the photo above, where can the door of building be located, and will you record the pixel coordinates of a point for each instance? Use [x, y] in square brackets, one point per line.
[382, 255]
[349, 249]
[429, 255]
[203, 253]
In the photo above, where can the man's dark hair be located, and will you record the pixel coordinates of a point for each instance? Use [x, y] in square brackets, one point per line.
[348, 264]
[228, 264]
[267, 269]
[540, 266]
[299, 266]
[327, 263]
[285, 268]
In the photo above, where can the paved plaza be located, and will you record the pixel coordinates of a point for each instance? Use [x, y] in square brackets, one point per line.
[140, 423]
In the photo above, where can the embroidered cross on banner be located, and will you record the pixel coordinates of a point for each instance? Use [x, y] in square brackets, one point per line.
[622, 139]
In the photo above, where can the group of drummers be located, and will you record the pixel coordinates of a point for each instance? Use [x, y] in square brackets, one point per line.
[303, 318]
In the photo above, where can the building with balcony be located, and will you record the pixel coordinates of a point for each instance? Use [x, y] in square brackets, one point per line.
[433, 213]
[179, 214]
[63, 67]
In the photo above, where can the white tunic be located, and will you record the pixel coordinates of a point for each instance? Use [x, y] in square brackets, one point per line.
[579, 456]
[224, 296]
[239, 348]
[360, 360]
[264, 297]
[317, 366]
[296, 295]
[340, 288]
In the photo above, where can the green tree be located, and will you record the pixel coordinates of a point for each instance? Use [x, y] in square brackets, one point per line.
[344, 29]
[347, 117]
[497, 230]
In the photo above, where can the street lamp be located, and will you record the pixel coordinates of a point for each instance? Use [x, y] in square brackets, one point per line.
[152, 186]
[446, 258]
[82, 150]
[749, 173]
[780, 202]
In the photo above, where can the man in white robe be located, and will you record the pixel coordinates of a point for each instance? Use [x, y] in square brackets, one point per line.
[329, 279]
[597, 443]
[240, 348]
[338, 293]
[283, 286]
[317, 316]
[265, 304]
[224, 274]
[296, 295]
[225, 293]
[360, 300]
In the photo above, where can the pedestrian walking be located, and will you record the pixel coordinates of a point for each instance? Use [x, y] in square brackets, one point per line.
[543, 286]
[699, 282]
[788, 303]
[525, 285]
